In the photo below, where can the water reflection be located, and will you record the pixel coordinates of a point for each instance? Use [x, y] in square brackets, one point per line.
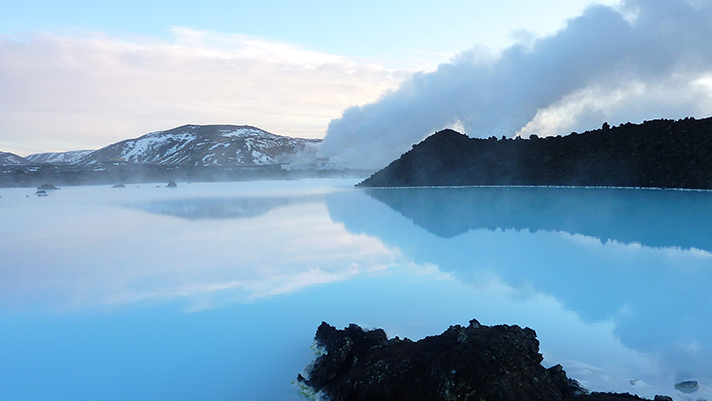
[222, 208]
[649, 217]
[90, 247]
[615, 282]
[637, 260]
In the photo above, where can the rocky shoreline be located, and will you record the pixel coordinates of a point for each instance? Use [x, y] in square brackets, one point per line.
[476, 362]
[128, 173]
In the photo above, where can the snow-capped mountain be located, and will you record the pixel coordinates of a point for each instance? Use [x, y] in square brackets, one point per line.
[209, 145]
[11, 159]
[58, 157]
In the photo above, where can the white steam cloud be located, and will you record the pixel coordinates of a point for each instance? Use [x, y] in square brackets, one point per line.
[644, 59]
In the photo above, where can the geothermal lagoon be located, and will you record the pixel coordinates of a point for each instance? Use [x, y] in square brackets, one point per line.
[214, 291]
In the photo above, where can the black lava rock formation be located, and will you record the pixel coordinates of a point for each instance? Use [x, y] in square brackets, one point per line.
[494, 363]
[658, 153]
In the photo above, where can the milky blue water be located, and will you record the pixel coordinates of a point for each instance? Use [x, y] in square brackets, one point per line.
[213, 291]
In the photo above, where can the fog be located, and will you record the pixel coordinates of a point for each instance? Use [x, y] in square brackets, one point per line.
[643, 59]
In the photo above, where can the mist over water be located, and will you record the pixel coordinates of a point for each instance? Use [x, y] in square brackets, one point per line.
[644, 59]
[214, 291]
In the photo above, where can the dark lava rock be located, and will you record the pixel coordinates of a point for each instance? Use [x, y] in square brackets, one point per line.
[494, 363]
[119, 186]
[172, 184]
[47, 186]
[658, 153]
[689, 386]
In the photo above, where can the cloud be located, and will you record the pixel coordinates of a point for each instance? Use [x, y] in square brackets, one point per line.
[644, 59]
[70, 92]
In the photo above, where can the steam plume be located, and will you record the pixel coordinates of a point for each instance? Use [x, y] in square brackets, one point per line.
[642, 59]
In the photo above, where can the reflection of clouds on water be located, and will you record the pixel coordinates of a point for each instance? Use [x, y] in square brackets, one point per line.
[85, 252]
[642, 273]
[676, 255]
[663, 298]
[217, 208]
[619, 313]
[591, 352]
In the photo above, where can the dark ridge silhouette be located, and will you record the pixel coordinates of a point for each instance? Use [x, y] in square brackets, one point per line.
[658, 154]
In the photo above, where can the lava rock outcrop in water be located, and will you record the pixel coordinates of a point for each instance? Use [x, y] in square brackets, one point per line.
[495, 363]
[658, 153]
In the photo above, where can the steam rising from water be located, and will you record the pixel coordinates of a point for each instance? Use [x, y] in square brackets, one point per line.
[642, 60]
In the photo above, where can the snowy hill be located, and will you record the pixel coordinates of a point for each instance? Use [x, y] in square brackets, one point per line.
[11, 159]
[209, 145]
[58, 157]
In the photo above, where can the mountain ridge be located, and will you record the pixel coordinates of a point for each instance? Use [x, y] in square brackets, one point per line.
[11, 159]
[58, 157]
[189, 145]
[657, 153]
[208, 145]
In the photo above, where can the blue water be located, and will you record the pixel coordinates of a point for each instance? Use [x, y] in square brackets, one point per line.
[214, 291]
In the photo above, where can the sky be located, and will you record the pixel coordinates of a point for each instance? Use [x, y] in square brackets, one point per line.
[370, 77]
[81, 75]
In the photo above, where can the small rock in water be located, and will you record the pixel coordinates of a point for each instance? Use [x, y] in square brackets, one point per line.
[119, 186]
[47, 186]
[171, 184]
[689, 386]
[41, 192]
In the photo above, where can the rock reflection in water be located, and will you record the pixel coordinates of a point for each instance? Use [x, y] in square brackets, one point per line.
[637, 259]
[656, 218]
